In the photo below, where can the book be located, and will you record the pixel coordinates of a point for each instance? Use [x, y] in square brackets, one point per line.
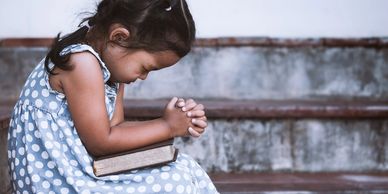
[147, 156]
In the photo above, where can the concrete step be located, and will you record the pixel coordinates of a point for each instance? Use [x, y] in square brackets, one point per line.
[292, 183]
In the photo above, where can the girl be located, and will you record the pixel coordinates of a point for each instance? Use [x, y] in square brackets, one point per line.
[71, 107]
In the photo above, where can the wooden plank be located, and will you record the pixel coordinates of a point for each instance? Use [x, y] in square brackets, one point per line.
[308, 182]
[269, 109]
[377, 43]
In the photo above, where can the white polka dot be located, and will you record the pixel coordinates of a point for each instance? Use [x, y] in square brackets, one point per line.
[33, 75]
[56, 153]
[27, 92]
[30, 157]
[49, 173]
[70, 180]
[199, 172]
[180, 189]
[57, 182]
[34, 94]
[35, 178]
[22, 172]
[118, 188]
[165, 175]
[156, 188]
[45, 93]
[114, 177]
[46, 184]
[17, 162]
[64, 191]
[176, 177]
[37, 134]
[30, 169]
[89, 169]
[39, 164]
[186, 176]
[80, 183]
[48, 145]
[44, 155]
[150, 179]
[30, 126]
[53, 105]
[154, 171]
[42, 82]
[38, 103]
[35, 147]
[142, 189]
[20, 183]
[39, 114]
[51, 164]
[21, 151]
[166, 168]
[78, 173]
[130, 190]
[168, 187]
[185, 162]
[32, 84]
[50, 135]
[138, 178]
[27, 180]
[54, 126]
[40, 74]
[73, 162]
[85, 192]
[91, 184]
[202, 184]
[61, 123]
[44, 124]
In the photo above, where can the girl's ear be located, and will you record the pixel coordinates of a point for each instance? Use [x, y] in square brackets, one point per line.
[118, 33]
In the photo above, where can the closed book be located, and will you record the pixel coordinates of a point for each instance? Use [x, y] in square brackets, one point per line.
[152, 155]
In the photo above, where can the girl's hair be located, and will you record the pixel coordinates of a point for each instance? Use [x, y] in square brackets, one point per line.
[154, 25]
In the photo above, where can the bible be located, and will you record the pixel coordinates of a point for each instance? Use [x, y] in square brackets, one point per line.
[151, 155]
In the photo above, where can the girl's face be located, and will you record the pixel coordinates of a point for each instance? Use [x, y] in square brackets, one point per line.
[127, 66]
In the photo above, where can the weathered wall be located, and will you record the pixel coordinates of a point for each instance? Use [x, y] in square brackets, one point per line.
[262, 73]
[306, 145]
[241, 73]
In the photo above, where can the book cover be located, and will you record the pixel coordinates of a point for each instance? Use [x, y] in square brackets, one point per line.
[152, 155]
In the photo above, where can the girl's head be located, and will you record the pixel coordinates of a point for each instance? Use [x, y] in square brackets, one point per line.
[156, 27]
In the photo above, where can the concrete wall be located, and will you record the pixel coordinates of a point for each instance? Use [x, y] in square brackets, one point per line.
[274, 18]
[307, 145]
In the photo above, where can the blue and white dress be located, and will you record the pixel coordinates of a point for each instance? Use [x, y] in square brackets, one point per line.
[46, 155]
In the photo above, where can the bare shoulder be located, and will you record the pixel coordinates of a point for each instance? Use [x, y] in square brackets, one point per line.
[85, 68]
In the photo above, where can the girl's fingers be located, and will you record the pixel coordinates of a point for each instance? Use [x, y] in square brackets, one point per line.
[195, 113]
[171, 104]
[199, 107]
[190, 104]
[199, 123]
[193, 132]
[180, 103]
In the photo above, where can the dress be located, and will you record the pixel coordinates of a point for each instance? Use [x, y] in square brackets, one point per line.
[46, 155]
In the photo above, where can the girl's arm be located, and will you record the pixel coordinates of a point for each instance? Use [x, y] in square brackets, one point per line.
[85, 94]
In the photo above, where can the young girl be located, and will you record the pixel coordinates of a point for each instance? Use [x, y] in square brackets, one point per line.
[71, 107]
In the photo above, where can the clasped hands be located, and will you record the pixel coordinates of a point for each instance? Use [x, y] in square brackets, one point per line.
[185, 117]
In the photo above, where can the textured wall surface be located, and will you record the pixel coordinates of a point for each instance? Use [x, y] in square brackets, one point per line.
[262, 73]
[291, 145]
[271, 73]
[241, 73]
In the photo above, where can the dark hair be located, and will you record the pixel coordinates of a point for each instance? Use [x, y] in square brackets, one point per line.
[154, 25]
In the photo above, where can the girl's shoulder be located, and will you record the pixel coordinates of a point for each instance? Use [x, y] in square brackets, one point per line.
[85, 56]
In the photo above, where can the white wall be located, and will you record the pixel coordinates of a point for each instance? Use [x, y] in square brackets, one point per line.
[217, 18]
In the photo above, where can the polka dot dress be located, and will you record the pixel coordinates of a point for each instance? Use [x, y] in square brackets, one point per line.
[46, 155]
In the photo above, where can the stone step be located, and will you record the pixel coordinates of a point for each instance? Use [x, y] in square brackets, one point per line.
[311, 183]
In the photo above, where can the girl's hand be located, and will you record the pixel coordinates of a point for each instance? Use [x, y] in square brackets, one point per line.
[196, 113]
[176, 119]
